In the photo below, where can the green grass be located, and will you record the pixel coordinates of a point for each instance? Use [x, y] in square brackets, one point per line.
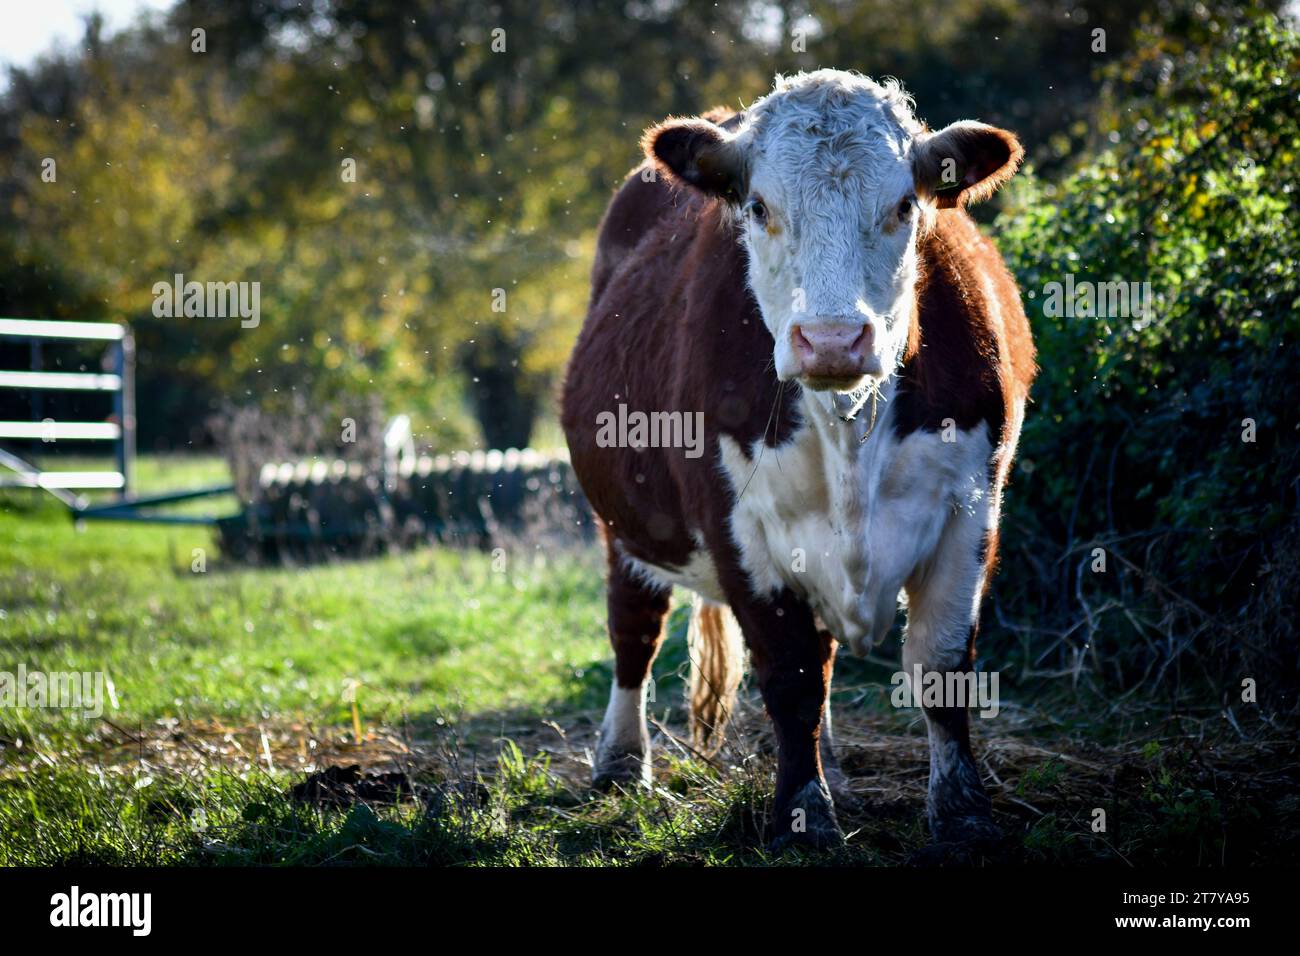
[485, 685]
[421, 632]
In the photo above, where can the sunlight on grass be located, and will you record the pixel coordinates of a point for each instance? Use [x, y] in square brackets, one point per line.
[426, 632]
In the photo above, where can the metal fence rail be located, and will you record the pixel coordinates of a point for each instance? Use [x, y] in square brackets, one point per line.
[120, 383]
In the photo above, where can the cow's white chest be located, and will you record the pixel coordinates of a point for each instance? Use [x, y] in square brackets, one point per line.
[847, 524]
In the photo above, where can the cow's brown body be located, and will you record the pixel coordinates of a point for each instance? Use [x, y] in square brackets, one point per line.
[673, 326]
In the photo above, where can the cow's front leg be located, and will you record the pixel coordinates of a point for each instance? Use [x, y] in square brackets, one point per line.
[940, 638]
[636, 619]
[792, 663]
[957, 807]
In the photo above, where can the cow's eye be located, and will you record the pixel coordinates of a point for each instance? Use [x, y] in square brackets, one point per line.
[756, 210]
[905, 208]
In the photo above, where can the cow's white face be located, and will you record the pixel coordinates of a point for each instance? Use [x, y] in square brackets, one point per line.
[830, 177]
[830, 219]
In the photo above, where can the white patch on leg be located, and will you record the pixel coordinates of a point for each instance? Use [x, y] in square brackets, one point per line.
[624, 728]
[944, 591]
[623, 751]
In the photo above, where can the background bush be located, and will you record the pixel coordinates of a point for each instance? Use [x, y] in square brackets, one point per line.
[1134, 440]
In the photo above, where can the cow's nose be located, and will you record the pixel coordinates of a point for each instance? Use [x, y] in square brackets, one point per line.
[835, 351]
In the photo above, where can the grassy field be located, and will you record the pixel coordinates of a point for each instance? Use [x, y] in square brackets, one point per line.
[477, 691]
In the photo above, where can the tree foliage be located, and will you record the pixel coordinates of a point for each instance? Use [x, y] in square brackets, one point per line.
[485, 139]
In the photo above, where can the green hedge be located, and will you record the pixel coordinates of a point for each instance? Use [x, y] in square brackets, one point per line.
[1133, 442]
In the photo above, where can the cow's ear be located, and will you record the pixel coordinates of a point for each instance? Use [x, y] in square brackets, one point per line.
[700, 154]
[965, 162]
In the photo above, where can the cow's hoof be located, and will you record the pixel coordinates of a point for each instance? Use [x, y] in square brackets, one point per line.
[827, 838]
[807, 820]
[620, 769]
[975, 829]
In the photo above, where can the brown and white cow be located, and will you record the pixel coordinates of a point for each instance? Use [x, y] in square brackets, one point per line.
[803, 274]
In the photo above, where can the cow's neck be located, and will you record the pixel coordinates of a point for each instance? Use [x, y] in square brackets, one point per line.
[846, 423]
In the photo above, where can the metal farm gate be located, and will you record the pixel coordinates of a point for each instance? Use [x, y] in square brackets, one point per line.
[118, 381]
[299, 509]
